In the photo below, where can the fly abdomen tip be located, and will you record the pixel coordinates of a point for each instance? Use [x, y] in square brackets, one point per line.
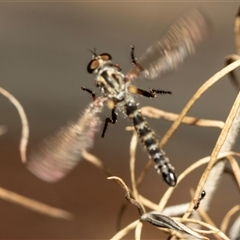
[170, 178]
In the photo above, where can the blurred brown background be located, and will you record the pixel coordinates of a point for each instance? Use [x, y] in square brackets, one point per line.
[43, 58]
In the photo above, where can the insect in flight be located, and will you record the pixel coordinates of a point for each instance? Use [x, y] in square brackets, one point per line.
[59, 154]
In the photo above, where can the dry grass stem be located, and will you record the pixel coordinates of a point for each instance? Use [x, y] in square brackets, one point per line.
[34, 205]
[138, 231]
[216, 77]
[25, 126]
[121, 183]
[218, 231]
[133, 147]
[151, 205]
[235, 169]
[125, 230]
[227, 218]
[157, 113]
[96, 162]
[208, 220]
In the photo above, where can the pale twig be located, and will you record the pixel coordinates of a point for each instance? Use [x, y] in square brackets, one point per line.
[125, 231]
[138, 205]
[138, 231]
[96, 162]
[157, 113]
[233, 77]
[133, 147]
[196, 96]
[206, 218]
[227, 217]
[23, 117]
[235, 169]
[218, 231]
[34, 205]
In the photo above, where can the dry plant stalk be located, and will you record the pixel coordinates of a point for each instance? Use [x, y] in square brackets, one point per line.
[34, 205]
[23, 117]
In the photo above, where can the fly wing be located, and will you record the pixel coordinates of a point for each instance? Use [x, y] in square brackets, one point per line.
[59, 154]
[179, 42]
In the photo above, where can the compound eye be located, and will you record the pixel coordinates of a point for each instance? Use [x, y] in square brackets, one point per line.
[94, 64]
[106, 56]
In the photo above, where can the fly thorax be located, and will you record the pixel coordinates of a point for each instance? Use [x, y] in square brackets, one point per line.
[112, 83]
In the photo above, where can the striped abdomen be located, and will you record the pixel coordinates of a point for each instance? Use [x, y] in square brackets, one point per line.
[148, 139]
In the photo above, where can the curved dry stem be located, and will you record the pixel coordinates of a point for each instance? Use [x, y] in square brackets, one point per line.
[133, 147]
[96, 162]
[233, 77]
[34, 205]
[235, 169]
[25, 126]
[217, 231]
[169, 116]
[138, 231]
[196, 96]
[208, 220]
[121, 183]
[128, 197]
[151, 205]
[144, 171]
[227, 217]
[125, 230]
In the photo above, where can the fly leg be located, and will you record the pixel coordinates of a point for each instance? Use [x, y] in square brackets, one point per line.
[111, 120]
[90, 92]
[134, 59]
[152, 93]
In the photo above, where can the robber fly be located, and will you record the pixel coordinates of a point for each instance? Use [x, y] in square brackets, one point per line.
[54, 161]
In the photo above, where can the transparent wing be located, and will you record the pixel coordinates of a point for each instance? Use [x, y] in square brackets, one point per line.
[59, 154]
[179, 42]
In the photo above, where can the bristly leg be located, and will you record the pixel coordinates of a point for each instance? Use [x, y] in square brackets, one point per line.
[152, 93]
[112, 120]
[155, 92]
[90, 92]
[134, 59]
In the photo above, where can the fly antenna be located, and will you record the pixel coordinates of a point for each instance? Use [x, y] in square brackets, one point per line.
[94, 53]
